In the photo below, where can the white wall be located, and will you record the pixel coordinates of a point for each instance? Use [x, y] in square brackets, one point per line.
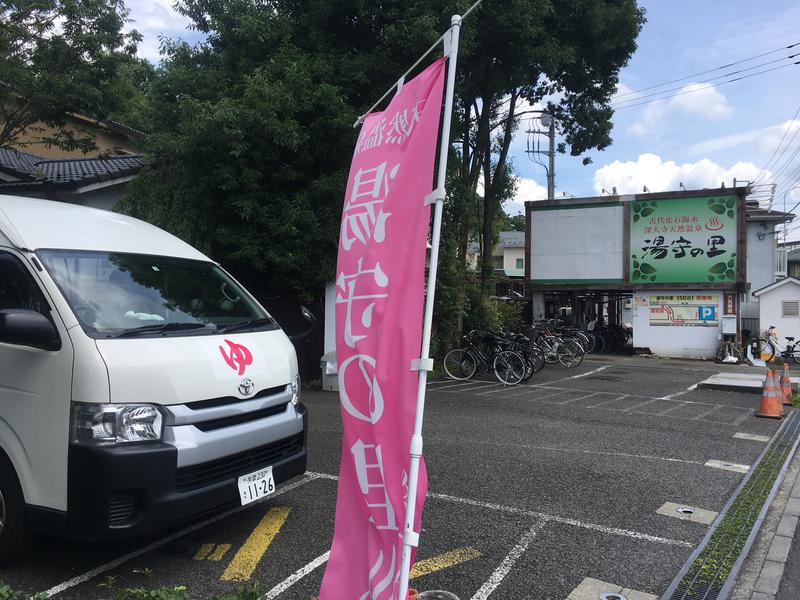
[510, 256]
[770, 310]
[537, 305]
[760, 267]
[577, 244]
[673, 340]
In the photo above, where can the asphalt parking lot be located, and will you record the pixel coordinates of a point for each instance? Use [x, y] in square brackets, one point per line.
[535, 491]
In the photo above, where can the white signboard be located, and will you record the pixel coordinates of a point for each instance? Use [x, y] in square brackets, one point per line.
[577, 244]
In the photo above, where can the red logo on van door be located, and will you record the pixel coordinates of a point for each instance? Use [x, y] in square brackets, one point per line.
[238, 357]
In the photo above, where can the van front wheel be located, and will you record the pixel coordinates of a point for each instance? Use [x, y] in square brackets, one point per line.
[15, 539]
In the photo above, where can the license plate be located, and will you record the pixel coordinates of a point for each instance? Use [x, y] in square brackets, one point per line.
[255, 486]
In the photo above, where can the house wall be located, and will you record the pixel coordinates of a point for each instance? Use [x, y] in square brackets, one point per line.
[770, 310]
[107, 141]
[510, 256]
[760, 271]
[677, 341]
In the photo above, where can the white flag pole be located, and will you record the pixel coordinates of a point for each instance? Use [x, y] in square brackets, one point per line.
[411, 537]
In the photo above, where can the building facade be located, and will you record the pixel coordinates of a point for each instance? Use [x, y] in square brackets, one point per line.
[677, 267]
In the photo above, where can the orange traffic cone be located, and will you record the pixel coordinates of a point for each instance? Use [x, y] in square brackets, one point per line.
[771, 405]
[786, 386]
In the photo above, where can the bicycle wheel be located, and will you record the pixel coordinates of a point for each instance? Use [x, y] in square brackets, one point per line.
[537, 357]
[795, 353]
[460, 364]
[568, 356]
[529, 370]
[509, 367]
[599, 344]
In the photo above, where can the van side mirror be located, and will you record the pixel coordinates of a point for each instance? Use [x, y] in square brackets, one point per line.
[28, 328]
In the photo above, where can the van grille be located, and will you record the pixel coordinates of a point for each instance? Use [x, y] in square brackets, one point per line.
[242, 418]
[196, 476]
[215, 402]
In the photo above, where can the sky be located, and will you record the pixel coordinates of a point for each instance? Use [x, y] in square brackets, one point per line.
[706, 133]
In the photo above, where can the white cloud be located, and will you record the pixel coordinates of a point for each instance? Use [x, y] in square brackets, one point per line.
[527, 190]
[765, 140]
[630, 177]
[624, 93]
[153, 19]
[701, 100]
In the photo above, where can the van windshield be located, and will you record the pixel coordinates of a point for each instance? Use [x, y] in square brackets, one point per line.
[127, 295]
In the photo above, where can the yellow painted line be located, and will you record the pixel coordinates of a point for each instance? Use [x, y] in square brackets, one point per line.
[219, 552]
[443, 561]
[204, 551]
[246, 559]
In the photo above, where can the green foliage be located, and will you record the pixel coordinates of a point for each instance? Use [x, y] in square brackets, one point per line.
[58, 56]
[7, 593]
[492, 314]
[253, 176]
[251, 136]
[713, 565]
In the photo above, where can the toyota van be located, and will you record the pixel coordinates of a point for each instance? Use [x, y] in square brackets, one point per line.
[140, 385]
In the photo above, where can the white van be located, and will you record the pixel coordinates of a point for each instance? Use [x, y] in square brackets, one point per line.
[140, 384]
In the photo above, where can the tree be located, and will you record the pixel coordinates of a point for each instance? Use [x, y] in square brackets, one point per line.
[568, 53]
[58, 56]
[249, 150]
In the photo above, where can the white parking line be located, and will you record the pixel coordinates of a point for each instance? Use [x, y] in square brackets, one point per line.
[461, 384]
[671, 408]
[597, 370]
[752, 437]
[296, 576]
[703, 415]
[565, 521]
[575, 398]
[604, 402]
[57, 589]
[599, 453]
[691, 388]
[547, 517]
[727, 466]
[496, 578]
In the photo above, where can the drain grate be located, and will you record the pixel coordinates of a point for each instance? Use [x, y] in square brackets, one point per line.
[613, 596]
[711, 569]
[607, 378]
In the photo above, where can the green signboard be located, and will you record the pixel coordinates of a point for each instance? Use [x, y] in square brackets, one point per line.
[684, 240]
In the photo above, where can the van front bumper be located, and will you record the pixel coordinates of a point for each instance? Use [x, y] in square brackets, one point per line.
[116, 492]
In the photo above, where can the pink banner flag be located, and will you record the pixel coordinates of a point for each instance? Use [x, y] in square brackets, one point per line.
[379, 303]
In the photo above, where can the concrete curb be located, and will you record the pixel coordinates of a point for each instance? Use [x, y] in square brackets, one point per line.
[763, 568]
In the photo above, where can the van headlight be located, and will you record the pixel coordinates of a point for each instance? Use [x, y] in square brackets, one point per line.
[296, 389]
[103, 424]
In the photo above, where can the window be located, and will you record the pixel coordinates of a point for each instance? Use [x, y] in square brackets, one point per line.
[112, 294]
[520, 263]
[17, 288]
[790, 308]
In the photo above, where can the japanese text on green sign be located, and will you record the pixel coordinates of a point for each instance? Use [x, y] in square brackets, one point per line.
[683, 240]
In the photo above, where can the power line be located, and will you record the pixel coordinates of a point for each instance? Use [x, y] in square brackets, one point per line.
[758, 66]
[709, 70]
[785, 133]
[705, 87]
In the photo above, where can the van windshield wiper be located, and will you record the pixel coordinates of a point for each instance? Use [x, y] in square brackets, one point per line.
[164, 327]
[245, 325]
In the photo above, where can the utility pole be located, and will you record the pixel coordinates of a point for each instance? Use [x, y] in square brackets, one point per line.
[547, 121]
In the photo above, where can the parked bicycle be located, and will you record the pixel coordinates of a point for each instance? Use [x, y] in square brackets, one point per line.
[507, 365]
[730, 347]
[770, 347]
